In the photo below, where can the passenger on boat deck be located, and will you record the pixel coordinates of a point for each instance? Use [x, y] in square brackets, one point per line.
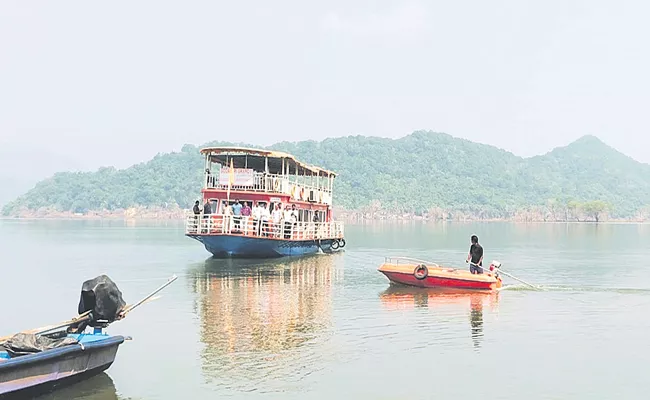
[257, 215]
[209, 177]
[290, 219]
[226, 210]
[246, 210]
[197, 209]
[475, 256]
[265, 216]
[257, 211]
[276, 216]
[206, 208]
[236, 208]
[293, 214]
[236, 211]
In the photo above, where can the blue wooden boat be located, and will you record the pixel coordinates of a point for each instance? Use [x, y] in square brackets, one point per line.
[262, 204]
[33, 374]
[43, 359]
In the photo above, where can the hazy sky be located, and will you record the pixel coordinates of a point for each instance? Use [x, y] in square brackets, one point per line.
[86, 83]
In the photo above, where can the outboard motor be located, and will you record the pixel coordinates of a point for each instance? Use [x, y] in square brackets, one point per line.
[102, 297]
[494, 267]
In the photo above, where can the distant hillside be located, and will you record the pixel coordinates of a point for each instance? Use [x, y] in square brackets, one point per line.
[417, 173]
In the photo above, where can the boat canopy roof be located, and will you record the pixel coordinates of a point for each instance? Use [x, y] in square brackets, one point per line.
[243, 157]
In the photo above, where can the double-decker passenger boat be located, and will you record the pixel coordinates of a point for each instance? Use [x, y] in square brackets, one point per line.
[260, 203]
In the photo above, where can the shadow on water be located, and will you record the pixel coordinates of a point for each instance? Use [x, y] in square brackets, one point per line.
[404, 297]
[100, 387]
[261, 321]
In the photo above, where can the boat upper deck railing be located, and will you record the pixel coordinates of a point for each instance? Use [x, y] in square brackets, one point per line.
[217, 224]
[272, 183]
[397, 260]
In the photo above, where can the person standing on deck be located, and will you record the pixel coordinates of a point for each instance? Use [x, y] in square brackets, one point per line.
[227, 216]
[475, 256]
[207, 210]
[246, 213]
[209, 181]
[315, 225]
[197, 210]
[257, 216]
[246, 210]
[265, 216]
[236, 212]
[290, 221]
[226, 210]
[276, 215]
[286, 225]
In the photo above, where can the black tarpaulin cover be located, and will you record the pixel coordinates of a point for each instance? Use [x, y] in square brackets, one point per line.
[22, 344]
[102, 296]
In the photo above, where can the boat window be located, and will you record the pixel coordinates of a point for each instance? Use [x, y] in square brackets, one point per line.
[214, 205]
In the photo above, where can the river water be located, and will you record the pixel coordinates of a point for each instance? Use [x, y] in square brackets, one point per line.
[329, 326]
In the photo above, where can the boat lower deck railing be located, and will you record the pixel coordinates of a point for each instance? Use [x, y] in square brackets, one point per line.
[215, 224]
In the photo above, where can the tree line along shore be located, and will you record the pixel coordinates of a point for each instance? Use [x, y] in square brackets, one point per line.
[595, 211]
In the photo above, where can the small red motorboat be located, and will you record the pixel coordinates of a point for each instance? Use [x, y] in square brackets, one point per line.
[413, 272]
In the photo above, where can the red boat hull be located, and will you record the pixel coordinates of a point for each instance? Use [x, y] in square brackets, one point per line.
[437, 282]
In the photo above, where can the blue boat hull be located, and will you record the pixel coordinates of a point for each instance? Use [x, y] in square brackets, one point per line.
[42, 372]
[225, 246]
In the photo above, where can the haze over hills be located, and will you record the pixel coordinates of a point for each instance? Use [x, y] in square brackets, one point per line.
[11, 189]
[23, 165]
[417, 173]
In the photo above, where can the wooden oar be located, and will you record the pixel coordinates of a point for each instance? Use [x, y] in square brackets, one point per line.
[128, 309]
[499, 270]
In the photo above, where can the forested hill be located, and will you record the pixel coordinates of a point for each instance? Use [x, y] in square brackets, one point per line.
[416, 173]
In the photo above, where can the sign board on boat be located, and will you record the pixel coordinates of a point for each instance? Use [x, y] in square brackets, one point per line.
[243, 176]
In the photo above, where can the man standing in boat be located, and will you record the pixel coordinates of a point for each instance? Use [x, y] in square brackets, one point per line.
[475, 256]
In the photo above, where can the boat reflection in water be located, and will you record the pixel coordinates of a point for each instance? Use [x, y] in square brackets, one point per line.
[264, 322]
[99, 387]
[405, 297]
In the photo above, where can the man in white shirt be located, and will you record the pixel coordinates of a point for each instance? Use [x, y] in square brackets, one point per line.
[291, 215]
[226, 210]
[265, 216]
[276, 216]
[260, 217]
[227, 216]
[290, 220]
[257, 215]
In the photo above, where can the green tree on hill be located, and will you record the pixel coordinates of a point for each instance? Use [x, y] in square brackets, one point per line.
[595, 209]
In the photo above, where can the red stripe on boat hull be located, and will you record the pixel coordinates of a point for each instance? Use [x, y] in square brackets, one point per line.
[434, 281]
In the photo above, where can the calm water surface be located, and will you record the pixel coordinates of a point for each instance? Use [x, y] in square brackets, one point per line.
[330, 326]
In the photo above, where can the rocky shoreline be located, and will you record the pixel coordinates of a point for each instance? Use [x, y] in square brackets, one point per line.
[179, 214]
[144, 213]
